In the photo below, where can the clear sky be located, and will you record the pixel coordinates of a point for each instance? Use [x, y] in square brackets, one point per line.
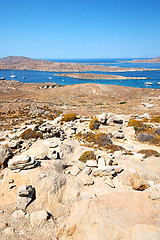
[80, 28]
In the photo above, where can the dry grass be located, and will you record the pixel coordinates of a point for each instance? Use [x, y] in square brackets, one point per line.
[88, 155]
[149, 152]
[69, 117]
[29, 133]
[94, 124]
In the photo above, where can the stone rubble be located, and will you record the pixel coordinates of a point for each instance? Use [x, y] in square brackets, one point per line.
[51, 192]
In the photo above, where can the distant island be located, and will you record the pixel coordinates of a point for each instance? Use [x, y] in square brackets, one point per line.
[93, 76]
[151, 60]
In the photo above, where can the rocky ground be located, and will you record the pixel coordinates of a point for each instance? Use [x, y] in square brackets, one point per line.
[72, 177]
[84, 99]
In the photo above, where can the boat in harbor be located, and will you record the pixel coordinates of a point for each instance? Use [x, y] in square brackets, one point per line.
[2, 78]
[50, 77]
[158, 83]
[12, 74]
[148, 83]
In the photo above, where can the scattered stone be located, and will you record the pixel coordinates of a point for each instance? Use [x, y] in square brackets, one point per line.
[87, 170]
[9, 231]
[12, 186]
[10, 181]
[21, 162]
[3, 225]
[5, 155]
[148, 105]
[25, 196]
[107, 171]
[154, 192]
[74, 171]
[109, 182]
[138, 183]
[85, 179]
[18, 214]
[118, 134]
[91, 163]
[102, 118]
[101, 163]
[39, 217]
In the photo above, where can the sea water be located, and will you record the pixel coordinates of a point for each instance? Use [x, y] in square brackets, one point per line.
[43, 77]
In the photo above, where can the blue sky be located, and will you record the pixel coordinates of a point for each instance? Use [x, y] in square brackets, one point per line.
[80, 28]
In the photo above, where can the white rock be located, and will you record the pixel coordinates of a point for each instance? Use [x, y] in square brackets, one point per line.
[39, 217]
[101, 163]
[154, 192]
[74, 171]
[18, 214]
[87, 170]
[102, 118]
[109, 182]
[91, 163]
[9, 231]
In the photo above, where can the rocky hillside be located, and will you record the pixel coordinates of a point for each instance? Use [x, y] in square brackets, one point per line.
[70, 177]
[24, 63]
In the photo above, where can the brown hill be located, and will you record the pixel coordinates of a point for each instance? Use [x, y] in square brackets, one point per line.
[151, 60]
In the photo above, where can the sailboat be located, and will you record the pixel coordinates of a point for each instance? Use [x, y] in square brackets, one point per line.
[12, 74]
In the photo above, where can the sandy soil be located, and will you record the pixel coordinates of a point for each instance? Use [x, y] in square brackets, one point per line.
[84, 99]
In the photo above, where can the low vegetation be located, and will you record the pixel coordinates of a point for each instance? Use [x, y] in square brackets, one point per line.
[149, 152]
[69, 117]
[88, 155]
[146, 131]
[29, 133]
[94, 124]
[111, 148]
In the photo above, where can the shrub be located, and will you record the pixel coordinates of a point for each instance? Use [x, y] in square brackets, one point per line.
[69, 117]
[149, 152]
[88, 155]
[94, 124]
[112, 148]
[102, 139]
[122, 102]
[142, 137]
[29, 133]
[157, 131]
[155, 119]
[138, 125]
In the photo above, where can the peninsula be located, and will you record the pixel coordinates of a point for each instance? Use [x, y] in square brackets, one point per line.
[93, 76]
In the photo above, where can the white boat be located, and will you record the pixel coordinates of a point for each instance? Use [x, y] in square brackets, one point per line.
[148, 83]
[158, 83]
[50, 77]
[2, 78]
[12, 74]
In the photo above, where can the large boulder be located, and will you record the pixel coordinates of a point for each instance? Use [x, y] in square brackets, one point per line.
[118, 215]
[5, 155]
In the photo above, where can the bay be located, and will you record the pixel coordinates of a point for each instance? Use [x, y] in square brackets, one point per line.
[30, 76]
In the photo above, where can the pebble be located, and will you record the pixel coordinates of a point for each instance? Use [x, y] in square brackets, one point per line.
[12, 186]
[10, 181]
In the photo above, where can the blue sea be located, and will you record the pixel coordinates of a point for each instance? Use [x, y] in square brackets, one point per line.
[43, 77]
